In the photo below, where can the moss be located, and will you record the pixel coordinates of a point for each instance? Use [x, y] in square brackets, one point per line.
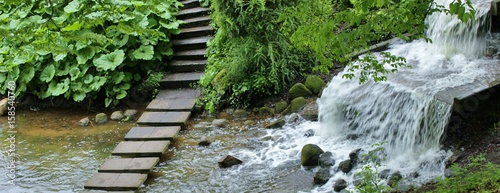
[299, 90]
[315, 84]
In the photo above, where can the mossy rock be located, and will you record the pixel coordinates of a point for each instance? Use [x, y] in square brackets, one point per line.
[315, 84]
[297, 104]
[287, 111]
[240, 113]
[275, 124]
[299, 90]
[101, 118]
[281, 106]
[265, 111]
[346, 166]
[310, 154]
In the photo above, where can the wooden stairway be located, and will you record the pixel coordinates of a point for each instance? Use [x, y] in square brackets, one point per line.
[167, 113]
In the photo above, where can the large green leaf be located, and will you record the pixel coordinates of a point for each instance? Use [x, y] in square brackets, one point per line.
[74, 73]
[79, 96]
[56, 89]
[48, 73]
[27, 74]
[84, 55]
[144, 53]
[72, 7]
[110, 61]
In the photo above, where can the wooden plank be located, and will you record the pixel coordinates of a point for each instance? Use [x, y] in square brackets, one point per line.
[129, 165]
[171, 105]
[141, 148]
[115, 181]
[152, 133]
[164, 118]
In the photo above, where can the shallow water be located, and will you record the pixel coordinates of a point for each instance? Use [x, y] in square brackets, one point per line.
[54, 154]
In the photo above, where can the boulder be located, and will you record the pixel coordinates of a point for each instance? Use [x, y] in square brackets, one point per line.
[117, 115]
[219, 123]
[204, 142]
[309, 133]
[275, 124]
[266, 111]
[310, 155]
[354, 156]
[267, 138]
[384, 174]
[345, 166]
[240, 113]
[326, 160]
[294, 117]
[339, 185]
[101, 118]
[3, 106]
[249, 122]
[394, 179]
[297, 104]
[229, 161]
[352, 136]
[287, 111]
[310, 111]
[322, 176]
[280, 107]
[130, 113]
[84, 122]
[315, 84]
[299, 90]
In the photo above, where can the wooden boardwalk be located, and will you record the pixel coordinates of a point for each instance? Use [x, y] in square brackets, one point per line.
[165, 115]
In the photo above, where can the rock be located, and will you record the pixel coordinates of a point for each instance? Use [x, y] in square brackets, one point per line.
[229, 111]
[275, 124]
[240, 113]
[117, 115]
[339, 185]
[354, 156]
[309, 133]
[448, 173]
[219, 123]
[287, 111]
[310, 155]
[101, 118]
[294, 117]
[326, 160]
[3, 106]
[249, 122]
[394, 179]
[310, 111]
[255, 110]
[352, 136]
[267, 138]
[266, 111]
[299, 90]
[229, 161]
[130, 113]
[297, 104]
[345, 166]
[322, 176]
[315, 84]
[384, 174]
[204, 142]
[280, 107]
[84, 122]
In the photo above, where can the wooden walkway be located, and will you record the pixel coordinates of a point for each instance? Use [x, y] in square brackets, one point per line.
[164, 117]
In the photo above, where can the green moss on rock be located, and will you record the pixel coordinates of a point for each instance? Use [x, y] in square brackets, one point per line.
[299, 90]
[315, 84]
[264, 111]
[297, 104]
[281, 106]
[310, 154]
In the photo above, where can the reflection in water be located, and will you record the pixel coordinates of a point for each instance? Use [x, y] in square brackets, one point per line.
[54, 154]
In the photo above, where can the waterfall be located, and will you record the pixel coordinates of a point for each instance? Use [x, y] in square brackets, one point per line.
[403, 112]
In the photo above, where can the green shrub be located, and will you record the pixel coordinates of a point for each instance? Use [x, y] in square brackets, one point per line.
[81, 49]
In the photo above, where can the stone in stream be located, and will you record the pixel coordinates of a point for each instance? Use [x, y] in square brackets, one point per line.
[117, 115]
[309, 133]
[130, 113]
[84, 122]
[229, 161]
[101, 118]
[309, 155]
[3, 106]
[204, 142]
[266, 111]
[280, 107]
[384, 173]
[339, 185]
[275, 124]
[297, 104]
[240, 113]
[299, 90]
[292, 118]
[354, 156]
[326, 160]
[315, 84]
[219, 123]
[322, 176]
[346, 166]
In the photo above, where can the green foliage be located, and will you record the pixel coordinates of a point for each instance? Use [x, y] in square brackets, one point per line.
[478, 176]
[255, 57]
[370, 181]
[204, 3]
[82, 49]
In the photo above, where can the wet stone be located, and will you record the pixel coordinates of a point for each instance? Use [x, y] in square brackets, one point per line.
[131, 113]
[84, 122]
[326, 160]
[384, 173]
[117, 115]
[354, 156]
[309, 133]
[339, 185]
[345, 166]
[204, 142]
[229, 161]
[294, 117]
[275, 124]
[322, 176]
[220, 123]
[101, 118]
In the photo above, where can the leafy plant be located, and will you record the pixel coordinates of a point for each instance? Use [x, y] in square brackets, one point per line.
[83, 49]
[477, 176]
[370, 181]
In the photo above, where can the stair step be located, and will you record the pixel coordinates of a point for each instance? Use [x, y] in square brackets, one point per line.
[180, 80]
[190, 43]
[190, 4]
[187, 65]
[192, 12]
[198, 54]
[164, 118]
[179, 94]
[171, 105]
[129, 165]
[115, 181]
[195, 32]
[197, 22]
